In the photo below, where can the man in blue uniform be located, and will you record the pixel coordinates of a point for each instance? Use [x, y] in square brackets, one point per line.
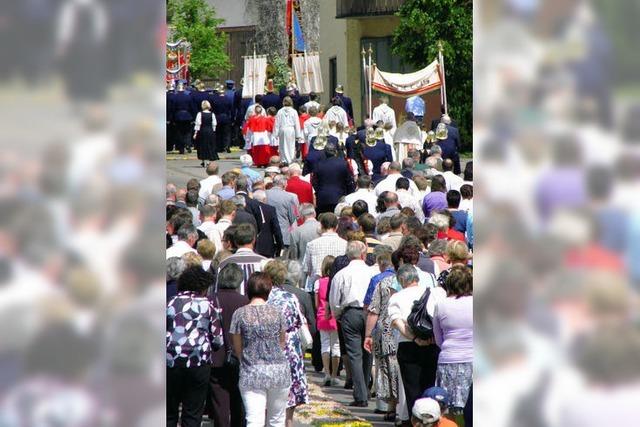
[199, 95]
[224, 111]
[183, 115]
[331, 179]
[346, 102]
[450, 149]
[316, 151]
[171, 126]
[377, 151]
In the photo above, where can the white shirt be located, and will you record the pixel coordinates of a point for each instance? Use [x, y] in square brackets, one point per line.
[210, 229]
[407, 200]
[389, 184]
[178, 249]
[466, 205]
[401, 303]
[453, 181]
[198, 122]
[338, 115]
[206, 186]
[385, 113]
[366, 195]
[349, 286]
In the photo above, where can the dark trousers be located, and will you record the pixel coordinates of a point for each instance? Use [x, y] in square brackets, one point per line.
[418, 369]
[316, 354]
[171, 136]
[223, 137]
[186, 386]
[183, 136]
[225, 403]
[353, 328]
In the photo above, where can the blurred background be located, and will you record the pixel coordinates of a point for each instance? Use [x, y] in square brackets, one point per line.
[557, 254]
[81, 213]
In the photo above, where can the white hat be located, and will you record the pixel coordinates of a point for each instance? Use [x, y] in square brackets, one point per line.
[272, 169]
[246, 160]
[426, 410]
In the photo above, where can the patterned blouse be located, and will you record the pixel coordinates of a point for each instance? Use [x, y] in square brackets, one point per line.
[384, 343]
[263, 364]
[192, 324]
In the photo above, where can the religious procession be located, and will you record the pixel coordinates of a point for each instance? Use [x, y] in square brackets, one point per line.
[319, 209]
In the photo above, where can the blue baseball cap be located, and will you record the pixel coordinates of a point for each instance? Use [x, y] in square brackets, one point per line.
[230, 82]
[438, 394]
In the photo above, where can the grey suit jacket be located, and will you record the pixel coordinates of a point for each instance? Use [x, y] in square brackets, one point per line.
[286, 205]
[302, 235]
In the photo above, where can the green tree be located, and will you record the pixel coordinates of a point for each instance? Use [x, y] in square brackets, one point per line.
[196, 22]
[424, 23]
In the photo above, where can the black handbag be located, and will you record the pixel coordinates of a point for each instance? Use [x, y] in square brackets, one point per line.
[420, 320]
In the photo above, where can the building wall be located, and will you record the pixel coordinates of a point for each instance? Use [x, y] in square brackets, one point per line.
[333, 33]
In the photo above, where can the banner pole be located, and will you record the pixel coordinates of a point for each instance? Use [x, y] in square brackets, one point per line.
[444, 80]
[253, 80]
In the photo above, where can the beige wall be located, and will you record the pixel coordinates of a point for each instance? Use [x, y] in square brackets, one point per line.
[332, 44]
[340, 38]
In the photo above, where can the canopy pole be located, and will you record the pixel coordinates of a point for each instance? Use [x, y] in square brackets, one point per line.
[444, 81]
[366, 80]
[370, 83]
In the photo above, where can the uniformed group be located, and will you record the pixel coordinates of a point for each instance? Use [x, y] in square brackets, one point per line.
[229, 109]
[183, 105]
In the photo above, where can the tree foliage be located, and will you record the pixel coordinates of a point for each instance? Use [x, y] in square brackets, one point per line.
[196, 22]
[423, 23]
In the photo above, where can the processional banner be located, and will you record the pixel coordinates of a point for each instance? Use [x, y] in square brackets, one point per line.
[255, 75]
[307, 72]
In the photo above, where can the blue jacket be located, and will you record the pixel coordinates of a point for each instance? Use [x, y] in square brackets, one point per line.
[378, 154]
[196, 98]
[182, 108]
[332, 180]
[171, 95]
[271, 100]
[314, 156]
[450, 151]
[223, 109]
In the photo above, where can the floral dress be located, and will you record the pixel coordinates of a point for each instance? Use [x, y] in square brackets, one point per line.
[384, 345]
[288, 303]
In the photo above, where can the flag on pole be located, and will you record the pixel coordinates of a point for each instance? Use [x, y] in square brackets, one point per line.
[297, 31]
[308, 74]
[255, 75]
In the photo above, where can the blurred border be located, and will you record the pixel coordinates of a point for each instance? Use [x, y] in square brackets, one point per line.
[81, 221]
[556, 129]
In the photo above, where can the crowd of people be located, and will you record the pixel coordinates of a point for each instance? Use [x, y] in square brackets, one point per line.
[330, 250]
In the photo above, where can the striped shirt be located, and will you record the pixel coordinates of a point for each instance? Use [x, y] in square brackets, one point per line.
[248, 261]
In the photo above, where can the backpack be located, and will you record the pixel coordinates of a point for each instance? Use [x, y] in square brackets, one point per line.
[420, 320]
